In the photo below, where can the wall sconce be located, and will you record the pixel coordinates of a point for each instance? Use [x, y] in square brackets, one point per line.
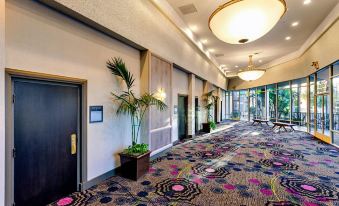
[160, 94]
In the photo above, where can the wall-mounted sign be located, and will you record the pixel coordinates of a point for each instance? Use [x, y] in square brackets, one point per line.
[96, 114]
[175, 109]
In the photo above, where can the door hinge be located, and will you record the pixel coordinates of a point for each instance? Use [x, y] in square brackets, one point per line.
[13, 153]
[13, 98]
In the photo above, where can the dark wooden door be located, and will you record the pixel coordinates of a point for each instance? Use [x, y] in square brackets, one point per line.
[182, 117]
[216, 111]
[46, 114]
[197, 115]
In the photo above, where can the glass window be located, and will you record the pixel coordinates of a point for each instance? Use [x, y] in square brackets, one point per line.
[336, 68]
[284, 102]
[236, 105]
[243, 105]
[271, 101]
[253, 104]
[228, 105]
[323, 81]
[312, 93]
[299, 102]
[335, 95]
[261, 111]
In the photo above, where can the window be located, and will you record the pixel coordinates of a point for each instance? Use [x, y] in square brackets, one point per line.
[299, 102]
[261, 110]
[228, 105]
[271, 102]
[312, 89]
[284, 102]
[236, 105]
[243, 105]
[253, 104]
[335, 96]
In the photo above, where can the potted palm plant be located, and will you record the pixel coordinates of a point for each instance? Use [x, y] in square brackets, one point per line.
[134, 159]
[209, 99]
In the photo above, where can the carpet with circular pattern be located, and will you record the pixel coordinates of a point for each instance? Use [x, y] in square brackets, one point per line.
[241, 165]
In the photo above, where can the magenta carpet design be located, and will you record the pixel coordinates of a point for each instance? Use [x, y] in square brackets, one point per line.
[242, 165]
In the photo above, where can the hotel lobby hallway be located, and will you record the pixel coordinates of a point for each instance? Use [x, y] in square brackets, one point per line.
[240, 165]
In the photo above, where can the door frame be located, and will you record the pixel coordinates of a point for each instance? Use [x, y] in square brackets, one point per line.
[9, 125]
[321, 134]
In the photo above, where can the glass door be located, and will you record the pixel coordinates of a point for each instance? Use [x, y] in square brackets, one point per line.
[322, 106]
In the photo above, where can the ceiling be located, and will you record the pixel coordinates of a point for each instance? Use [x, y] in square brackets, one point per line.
[271, 46]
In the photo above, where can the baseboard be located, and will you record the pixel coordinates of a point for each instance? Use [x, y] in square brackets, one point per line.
[99, 179]
[161, 149]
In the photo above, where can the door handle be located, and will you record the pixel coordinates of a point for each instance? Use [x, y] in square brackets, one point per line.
[73, 144]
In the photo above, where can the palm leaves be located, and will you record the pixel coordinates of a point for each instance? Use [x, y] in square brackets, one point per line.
[130, 104]
[118, 68]
[209, 99]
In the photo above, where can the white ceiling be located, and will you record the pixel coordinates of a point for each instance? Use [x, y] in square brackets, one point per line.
[271, 46]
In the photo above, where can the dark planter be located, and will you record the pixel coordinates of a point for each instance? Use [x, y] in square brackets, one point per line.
[133, 167]
[206, 127]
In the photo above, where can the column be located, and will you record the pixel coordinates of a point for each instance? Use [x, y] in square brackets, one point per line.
[191, 105]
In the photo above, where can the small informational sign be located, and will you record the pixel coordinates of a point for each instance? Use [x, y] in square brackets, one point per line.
[96, 114]
[175, 109]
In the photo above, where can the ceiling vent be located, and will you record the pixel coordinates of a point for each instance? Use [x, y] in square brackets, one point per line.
[219, 55]
[188, 9]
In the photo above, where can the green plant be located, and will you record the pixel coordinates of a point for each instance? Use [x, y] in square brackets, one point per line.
[212, 125]
[131, 105]
[209, 99]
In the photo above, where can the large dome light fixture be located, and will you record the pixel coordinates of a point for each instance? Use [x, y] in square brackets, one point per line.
[251, 73]
[243, 21]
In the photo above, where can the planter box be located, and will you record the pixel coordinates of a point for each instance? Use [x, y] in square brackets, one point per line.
[133, 167]
[206, 127]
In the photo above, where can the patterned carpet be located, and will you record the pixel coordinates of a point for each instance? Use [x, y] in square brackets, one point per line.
[242, 165]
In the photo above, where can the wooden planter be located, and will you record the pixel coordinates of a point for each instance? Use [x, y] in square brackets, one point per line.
[133, 167]
[206, 127]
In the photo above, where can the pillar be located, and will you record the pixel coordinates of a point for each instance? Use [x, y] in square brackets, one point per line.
[191, 105]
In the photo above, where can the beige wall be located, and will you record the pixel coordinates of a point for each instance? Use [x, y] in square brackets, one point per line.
[141, 22]
[180, 86]
[2, 102]
[325, 50]
[41, 40]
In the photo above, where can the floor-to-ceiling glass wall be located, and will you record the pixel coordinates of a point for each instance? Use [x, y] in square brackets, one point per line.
[271, 102]
[284, 102]
[261, 97]
[236, 105]
[228, 104]
[312, 103]
[312, 108]
[299, 103]
[253, 104]
[243, 105]
[322, 106]
[335, 100]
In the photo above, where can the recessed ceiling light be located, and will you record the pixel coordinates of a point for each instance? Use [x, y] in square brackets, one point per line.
[307, 2]
[236, 66]
[296, 23]
[194, 27]
[211, 50]
[260, 60]
[288, 38]
[204, 41]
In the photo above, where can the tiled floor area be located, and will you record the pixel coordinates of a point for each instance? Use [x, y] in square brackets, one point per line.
[238, 165]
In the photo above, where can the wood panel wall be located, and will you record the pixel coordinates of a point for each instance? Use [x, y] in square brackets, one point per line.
[156, 74]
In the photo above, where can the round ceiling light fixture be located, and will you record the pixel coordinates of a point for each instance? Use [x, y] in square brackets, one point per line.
[251, 73]
[244, 21]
